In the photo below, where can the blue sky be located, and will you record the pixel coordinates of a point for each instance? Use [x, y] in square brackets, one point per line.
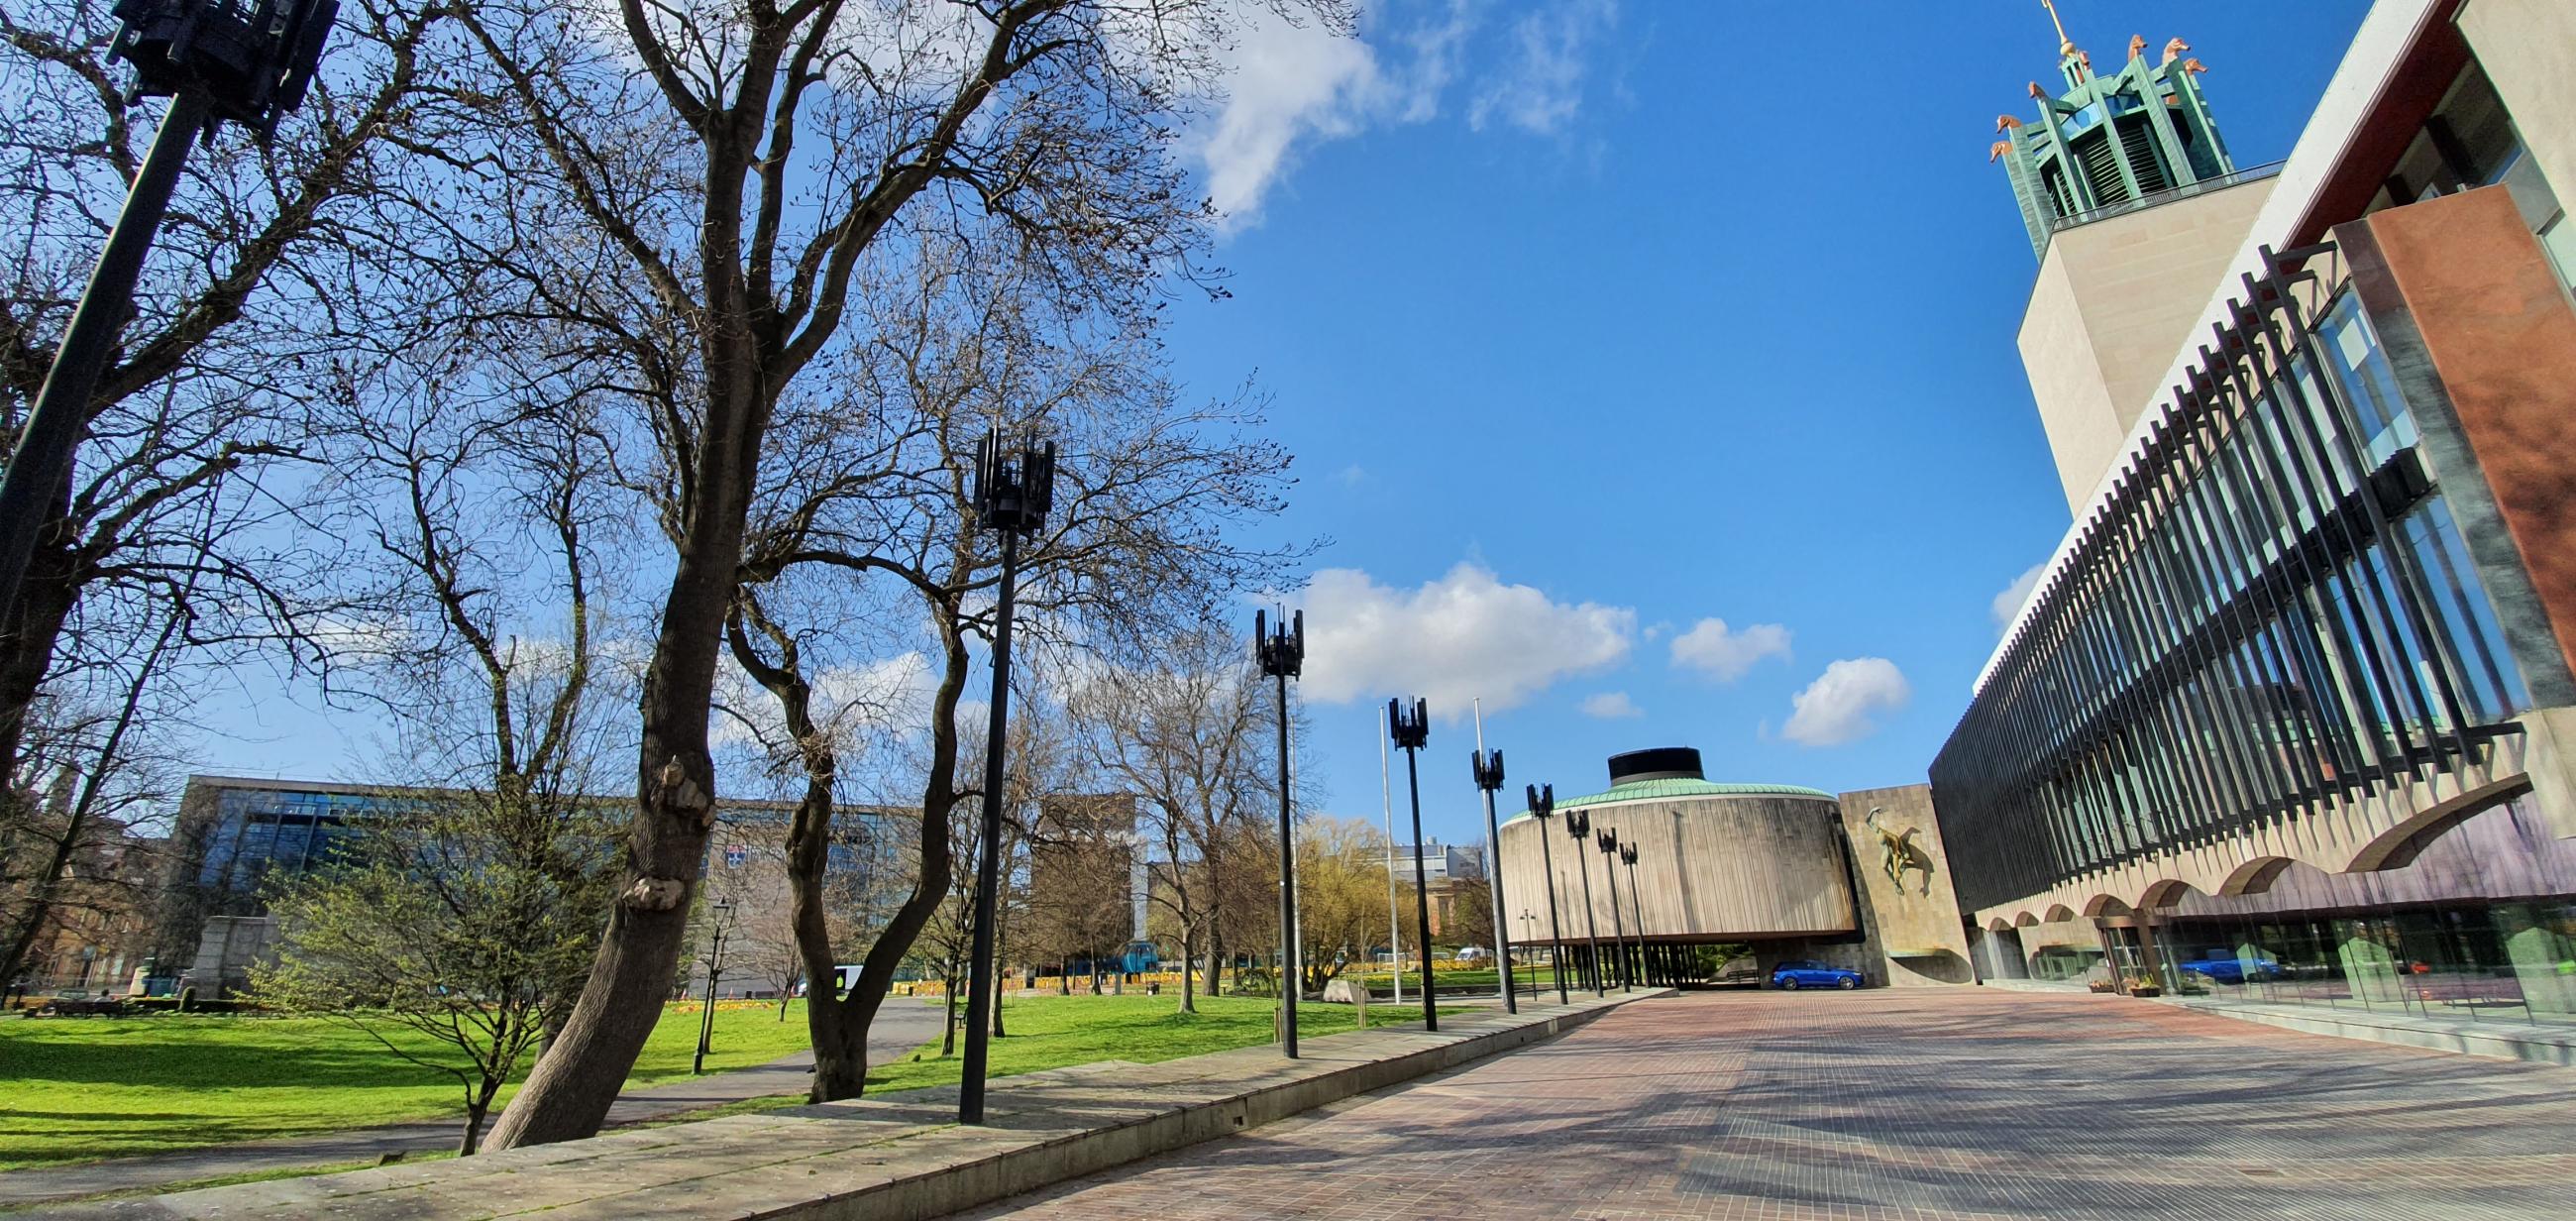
[1591, 323]
[1656, 314]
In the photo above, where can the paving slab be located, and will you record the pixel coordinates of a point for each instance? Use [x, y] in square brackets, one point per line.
[1895, 1105]
[888, 1159]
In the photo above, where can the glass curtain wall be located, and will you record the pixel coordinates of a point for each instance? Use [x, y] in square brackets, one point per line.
[2275, 609]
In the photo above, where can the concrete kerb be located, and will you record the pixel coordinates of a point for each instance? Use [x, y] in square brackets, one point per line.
[895, 1158]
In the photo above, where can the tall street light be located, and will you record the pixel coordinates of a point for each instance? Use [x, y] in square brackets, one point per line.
[215, 61]
[1411, 730]
[1488, 766]
[1608, 840]
[723, 914]
[1542, 806]
[1282, 654]
[1012, 495]
[1578, 824]
[1628, 857]
[1386, 799]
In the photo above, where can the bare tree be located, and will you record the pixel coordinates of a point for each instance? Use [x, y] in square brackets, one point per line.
[469, 912]
[1183, 730]
[177, 493]
[743, 167]
[1148, 488]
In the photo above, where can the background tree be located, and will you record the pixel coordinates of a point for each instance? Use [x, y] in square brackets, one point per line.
[1183, 729]
[1082, 858]
[447, 916]
[1341, 892]
[1471, 908]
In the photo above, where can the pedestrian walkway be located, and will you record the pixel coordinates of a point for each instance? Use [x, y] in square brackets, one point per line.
[899, 1027]
[1913, 1104]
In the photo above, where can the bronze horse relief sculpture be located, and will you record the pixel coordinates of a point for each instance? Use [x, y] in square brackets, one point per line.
[1897, 853]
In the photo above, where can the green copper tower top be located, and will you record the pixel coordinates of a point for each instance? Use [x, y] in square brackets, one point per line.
[2108, 141]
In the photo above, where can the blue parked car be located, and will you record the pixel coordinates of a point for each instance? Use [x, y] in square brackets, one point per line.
[2225, 967]
[1791, 976]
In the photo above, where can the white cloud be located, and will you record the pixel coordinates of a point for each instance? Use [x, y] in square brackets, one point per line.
[1611, 706]
[1284, 83]
[2008, 603]
[1719, 652]
[1543, 88]
[1836, 707]
[1462, 637]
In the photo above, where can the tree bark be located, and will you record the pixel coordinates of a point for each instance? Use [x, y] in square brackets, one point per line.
[569, 1093]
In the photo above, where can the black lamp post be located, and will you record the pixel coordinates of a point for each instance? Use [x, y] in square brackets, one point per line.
[1488, 766]
[1636, 904]
[1012, 495]
[215, 60]
[1282, 654]
[1410, 728]
[1542, 806]
[1608, 841]
[723, 913]
[1578, 824]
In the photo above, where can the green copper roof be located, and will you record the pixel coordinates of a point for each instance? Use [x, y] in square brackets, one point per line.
[1666, 790]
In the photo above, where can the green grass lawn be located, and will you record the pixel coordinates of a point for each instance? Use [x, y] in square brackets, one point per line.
[1062, 1031]
[78, 1089]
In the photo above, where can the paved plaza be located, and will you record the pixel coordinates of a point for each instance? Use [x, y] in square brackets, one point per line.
[1897, 1104]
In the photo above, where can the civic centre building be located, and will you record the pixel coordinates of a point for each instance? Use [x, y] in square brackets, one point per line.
[1855, 880]
[2291, 713]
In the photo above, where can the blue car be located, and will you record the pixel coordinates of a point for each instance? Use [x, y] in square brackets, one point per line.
[1791, 976]
[2226, 968]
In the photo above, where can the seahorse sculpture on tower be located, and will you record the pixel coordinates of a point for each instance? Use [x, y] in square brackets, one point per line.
[1897, 853]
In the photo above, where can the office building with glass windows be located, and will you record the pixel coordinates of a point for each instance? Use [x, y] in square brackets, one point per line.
[2291, 714]
[235, 836]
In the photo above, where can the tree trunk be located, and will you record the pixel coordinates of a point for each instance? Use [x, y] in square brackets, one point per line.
[1001, 966]
[1215, 958]
[28, 636]
[947, 1041]
[840, 1028]
[477, 1105]
[1189, 1000]
[569, 1093]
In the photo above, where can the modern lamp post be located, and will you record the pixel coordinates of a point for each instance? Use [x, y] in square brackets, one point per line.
[1578, 825]
[1282, 654]
[1608, 840]
[1411, 730]
[1012, 495]
[1488, 767]
[722, 912]
[215, 60]
[1636, 905]
[1542, 806]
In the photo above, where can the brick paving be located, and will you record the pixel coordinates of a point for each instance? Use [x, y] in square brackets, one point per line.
[1896, 1104]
